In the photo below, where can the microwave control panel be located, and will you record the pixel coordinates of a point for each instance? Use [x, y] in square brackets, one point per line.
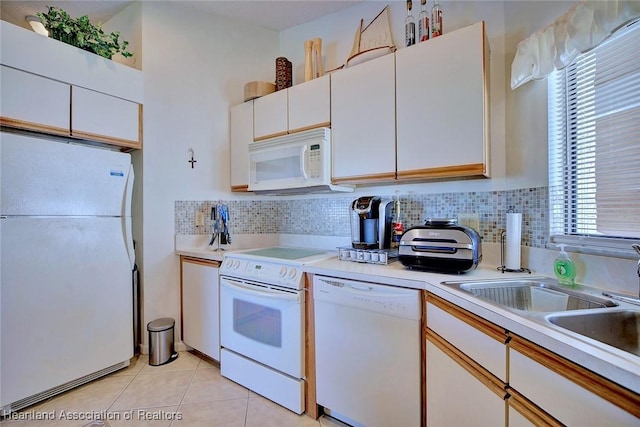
[314, 161]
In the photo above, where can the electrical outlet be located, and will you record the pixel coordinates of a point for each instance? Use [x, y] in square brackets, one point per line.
[470, 220]
[199, 218]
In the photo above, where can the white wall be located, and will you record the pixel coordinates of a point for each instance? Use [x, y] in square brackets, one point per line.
[195, 67]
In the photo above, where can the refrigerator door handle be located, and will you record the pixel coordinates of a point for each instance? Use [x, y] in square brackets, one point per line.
[128, 193]
[128, 240]
[126, 218]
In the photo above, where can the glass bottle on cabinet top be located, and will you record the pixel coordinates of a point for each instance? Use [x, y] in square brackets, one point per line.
[409, 27]
[423, 22]
[436, 20]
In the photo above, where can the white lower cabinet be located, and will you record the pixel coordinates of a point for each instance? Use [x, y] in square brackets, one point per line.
[567, 392]
[200, 297]
[457, 393]
[460, 390]
[479, 374]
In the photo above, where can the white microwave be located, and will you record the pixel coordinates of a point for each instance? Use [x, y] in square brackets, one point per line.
[298, 163]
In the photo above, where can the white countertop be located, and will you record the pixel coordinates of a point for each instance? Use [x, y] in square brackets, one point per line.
[617, 365]
[197, 246]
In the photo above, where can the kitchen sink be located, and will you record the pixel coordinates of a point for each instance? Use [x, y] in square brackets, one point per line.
[620, 329]
[532, 295]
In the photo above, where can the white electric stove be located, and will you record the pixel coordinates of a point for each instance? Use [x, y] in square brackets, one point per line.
[262, 321]
[279, 265]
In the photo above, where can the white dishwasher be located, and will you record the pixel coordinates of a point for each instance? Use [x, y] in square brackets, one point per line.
[368, 352]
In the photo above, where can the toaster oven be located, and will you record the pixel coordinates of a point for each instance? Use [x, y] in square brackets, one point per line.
[440, 246]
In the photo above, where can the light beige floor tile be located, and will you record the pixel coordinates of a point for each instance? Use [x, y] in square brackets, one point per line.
[153, 417]
[223, 413]
[327, 421]
[59, 419]
[94, 397]
[185, 362]
[208, 363]
[209, 385]
[262, 412]
[135, 366]
[154, 390]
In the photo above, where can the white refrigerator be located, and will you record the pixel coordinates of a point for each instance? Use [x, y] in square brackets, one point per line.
[66, 266]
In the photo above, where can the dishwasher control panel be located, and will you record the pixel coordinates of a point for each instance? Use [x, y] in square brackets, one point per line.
[389, 300]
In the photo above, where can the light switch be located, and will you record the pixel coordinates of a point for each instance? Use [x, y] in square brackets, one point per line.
[199, 218]
[469, 220]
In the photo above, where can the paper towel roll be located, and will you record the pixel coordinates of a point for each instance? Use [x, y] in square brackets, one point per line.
[514, 234]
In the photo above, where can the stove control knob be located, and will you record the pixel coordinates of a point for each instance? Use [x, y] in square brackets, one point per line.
[228, 263]
[283, 271]
[236, 264]
[292, 273]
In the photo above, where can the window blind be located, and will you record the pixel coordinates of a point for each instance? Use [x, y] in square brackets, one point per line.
[594, 145]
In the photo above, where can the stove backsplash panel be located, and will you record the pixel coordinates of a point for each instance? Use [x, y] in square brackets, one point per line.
[330, 216]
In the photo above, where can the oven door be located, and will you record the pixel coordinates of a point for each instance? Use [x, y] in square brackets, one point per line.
[264, 323]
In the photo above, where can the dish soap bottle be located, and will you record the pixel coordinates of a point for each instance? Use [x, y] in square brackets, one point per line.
[564, 268]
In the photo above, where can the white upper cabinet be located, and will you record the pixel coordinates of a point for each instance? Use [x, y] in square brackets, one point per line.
[301, 107]
[104, 118]
[270, 115]
[442, 106]
[69, 91]
[363, 122]
[241, 137]
[33, 102]
[309, 104]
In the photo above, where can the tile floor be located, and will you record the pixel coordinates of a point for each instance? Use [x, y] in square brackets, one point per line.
[186, 392]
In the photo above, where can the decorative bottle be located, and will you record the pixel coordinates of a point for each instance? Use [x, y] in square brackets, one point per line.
[423, 22]
[397, 226]
[436, 20]
[409, 27]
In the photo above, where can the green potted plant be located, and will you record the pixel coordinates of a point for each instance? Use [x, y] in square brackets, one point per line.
[81, 33]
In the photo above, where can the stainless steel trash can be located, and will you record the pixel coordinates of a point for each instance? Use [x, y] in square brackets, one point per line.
[161, 337]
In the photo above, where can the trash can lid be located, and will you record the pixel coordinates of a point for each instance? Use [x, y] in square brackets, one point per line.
[161, 324]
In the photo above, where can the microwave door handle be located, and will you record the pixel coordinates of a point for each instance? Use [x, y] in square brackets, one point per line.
[303, 162]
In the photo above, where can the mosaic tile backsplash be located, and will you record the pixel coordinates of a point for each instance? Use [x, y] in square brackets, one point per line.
[330, 216]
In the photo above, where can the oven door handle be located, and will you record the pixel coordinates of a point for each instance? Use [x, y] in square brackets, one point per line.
[250, 290]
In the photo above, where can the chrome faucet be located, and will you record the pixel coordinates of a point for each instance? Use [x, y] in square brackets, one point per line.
[632, 300]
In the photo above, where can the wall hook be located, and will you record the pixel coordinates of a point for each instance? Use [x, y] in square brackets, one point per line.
[192, 161]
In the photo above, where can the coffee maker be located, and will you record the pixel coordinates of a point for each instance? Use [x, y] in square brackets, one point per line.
[371, 219]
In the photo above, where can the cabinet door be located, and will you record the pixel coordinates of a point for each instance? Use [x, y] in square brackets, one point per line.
[309, 104]
[523, 413]
[481, 340]
[241, 137]
[457, 393]
[442, 106]
[200, 306]
[34, 103]
[100, 117]
[567, 392]
[363, 122]
[270, 115]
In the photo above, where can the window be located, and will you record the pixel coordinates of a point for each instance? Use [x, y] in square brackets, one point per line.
[594, 146]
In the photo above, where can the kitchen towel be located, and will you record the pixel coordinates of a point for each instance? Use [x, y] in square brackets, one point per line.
[514, 234]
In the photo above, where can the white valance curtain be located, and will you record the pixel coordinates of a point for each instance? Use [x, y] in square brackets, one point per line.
[582, 28]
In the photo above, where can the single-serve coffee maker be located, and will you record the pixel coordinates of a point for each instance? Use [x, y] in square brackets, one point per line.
[371, 219]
